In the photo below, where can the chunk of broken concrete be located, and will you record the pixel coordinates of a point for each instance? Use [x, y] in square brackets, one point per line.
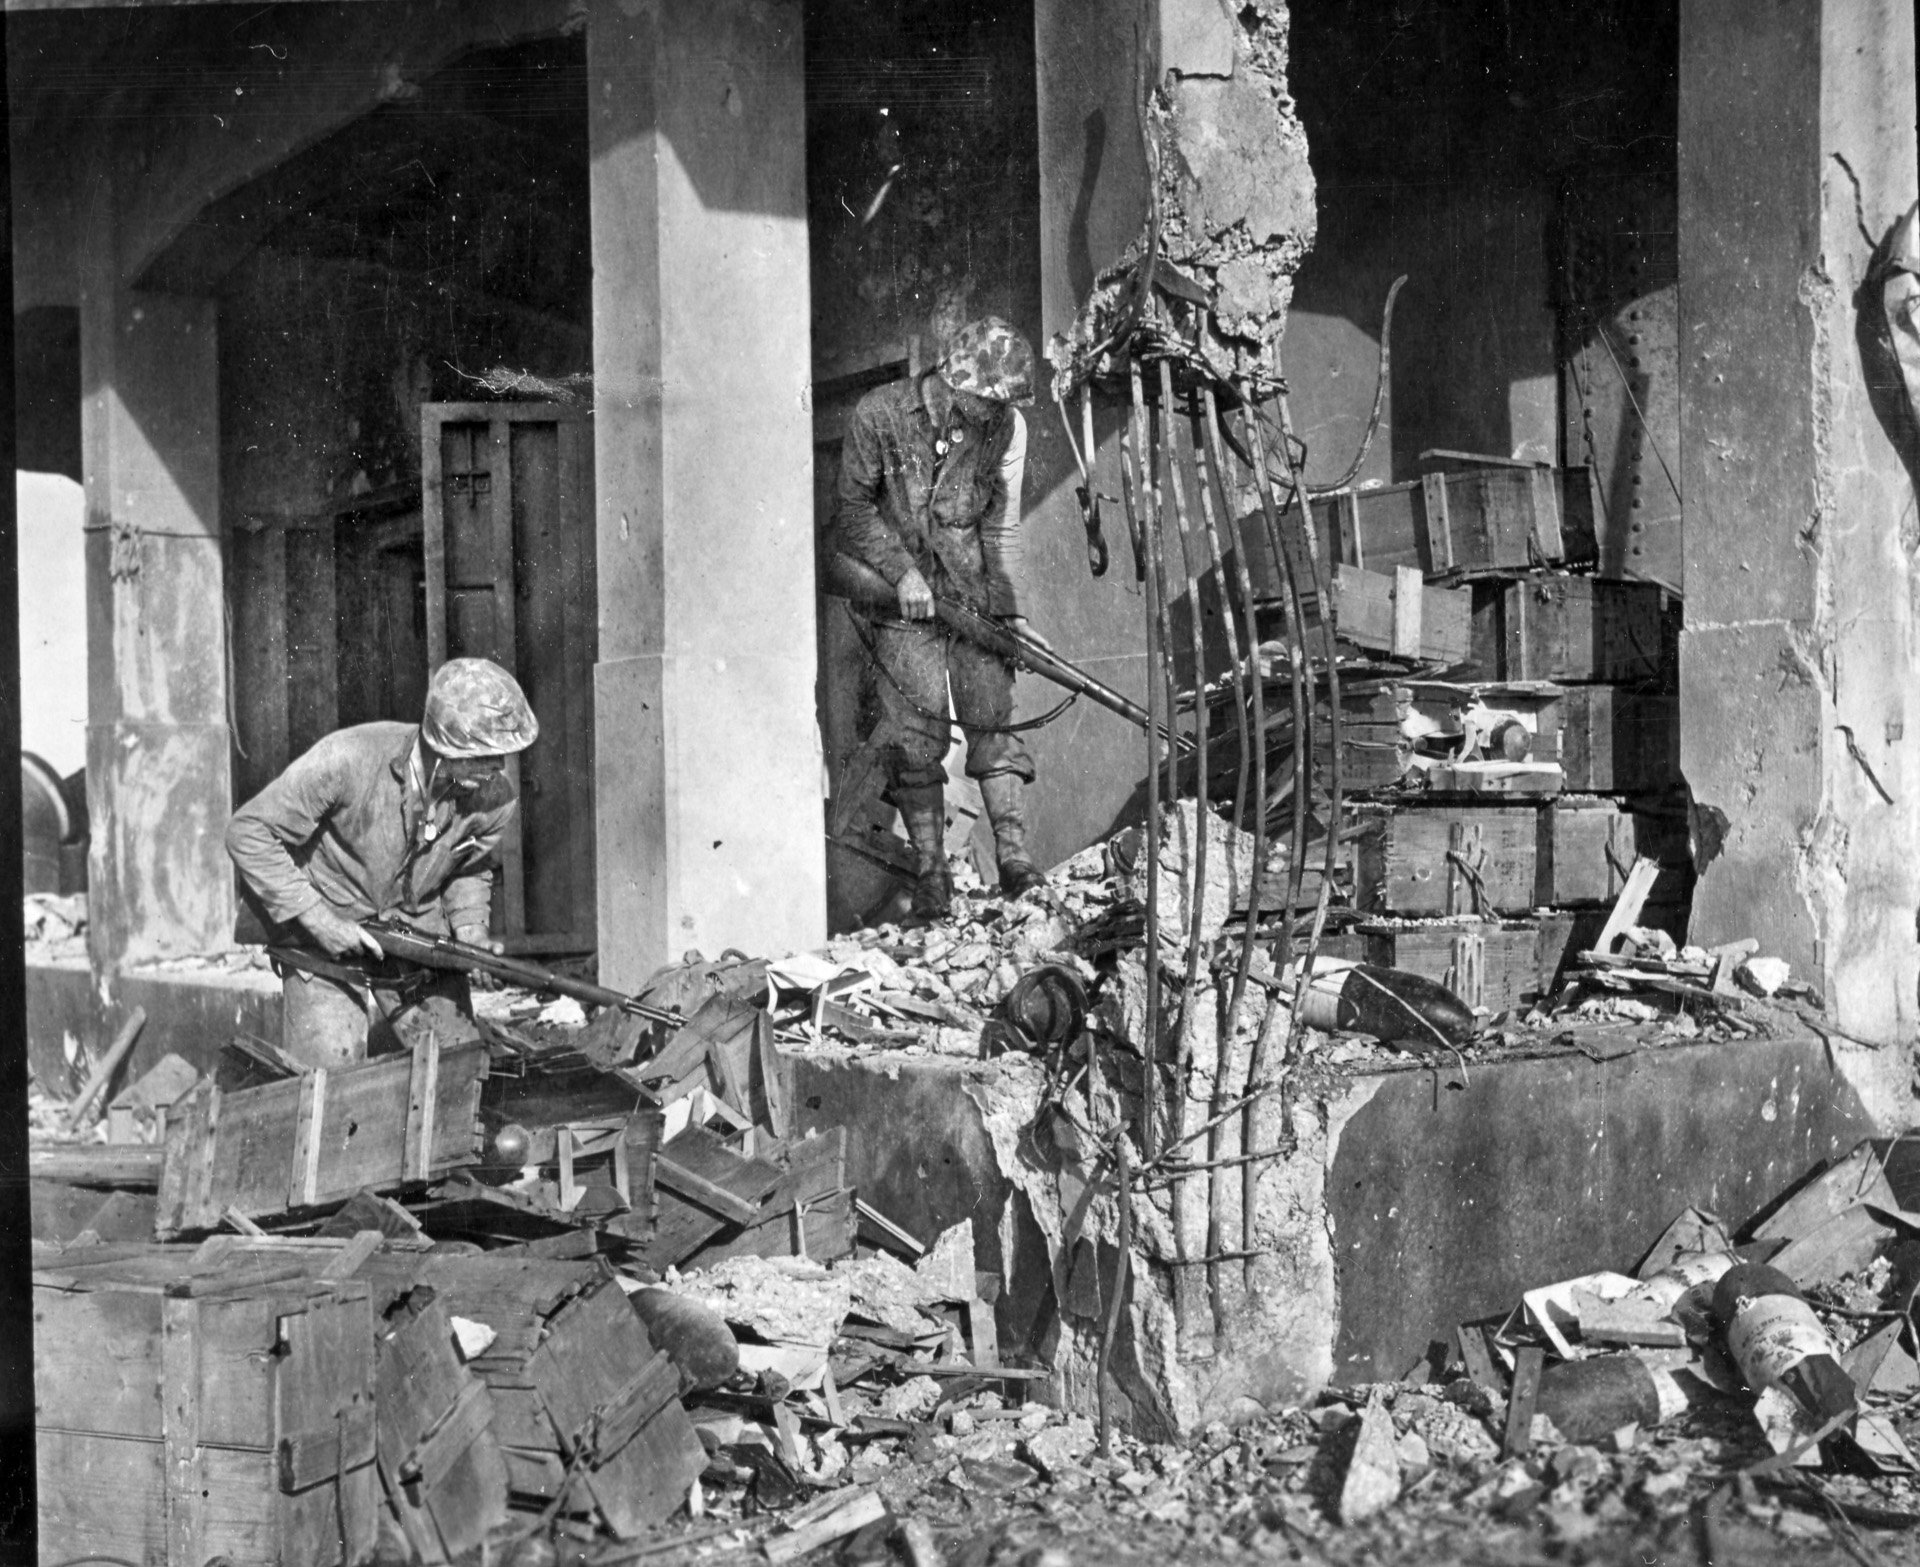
[1373, 1474]
[1764, 976]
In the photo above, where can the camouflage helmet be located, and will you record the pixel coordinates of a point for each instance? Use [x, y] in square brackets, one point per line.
[990, 359]
[475, 708]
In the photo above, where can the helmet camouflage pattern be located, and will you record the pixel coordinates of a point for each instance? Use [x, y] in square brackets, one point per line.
[475, 708]
[990, 359]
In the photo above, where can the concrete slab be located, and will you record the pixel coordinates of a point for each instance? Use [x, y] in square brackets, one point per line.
[192, 1012]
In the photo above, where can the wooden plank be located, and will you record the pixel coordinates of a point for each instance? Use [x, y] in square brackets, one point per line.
[440, 1464]
[682, 1227]
[696, 1188]
[1528, 1361]
[1408, 592]
[423, 1089]
[184, 1491]
[814, 1181]
[1626, 908]
[133, 1167]
[846, 1518]
[1437, 519]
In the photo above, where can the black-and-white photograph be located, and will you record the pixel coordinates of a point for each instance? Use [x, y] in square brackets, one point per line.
[961, 783]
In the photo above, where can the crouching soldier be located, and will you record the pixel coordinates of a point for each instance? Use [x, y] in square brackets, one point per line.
[391, 820]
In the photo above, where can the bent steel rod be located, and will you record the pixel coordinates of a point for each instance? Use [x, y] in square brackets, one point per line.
[1243, 581]
[1176, 520]
[1133, 488]
[1295, 618]
[1323, 588]
[1228, 1027]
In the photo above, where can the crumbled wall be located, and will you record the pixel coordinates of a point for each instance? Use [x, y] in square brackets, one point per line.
[1232, 212]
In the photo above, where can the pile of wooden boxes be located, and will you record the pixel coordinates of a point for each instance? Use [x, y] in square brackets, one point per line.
[1514, 747]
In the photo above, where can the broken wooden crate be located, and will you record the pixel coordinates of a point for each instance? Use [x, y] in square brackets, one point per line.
[1442, 858]
[585, 1412]
[317, 1139]
[191, 1409]
[441, 1468]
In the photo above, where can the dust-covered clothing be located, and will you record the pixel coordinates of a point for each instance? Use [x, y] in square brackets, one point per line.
[328, 1022]
[918, 659]
[349, 824]
[946, 500]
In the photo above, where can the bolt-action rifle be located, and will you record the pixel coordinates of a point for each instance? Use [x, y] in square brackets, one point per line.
[443, 952]
[858, 583]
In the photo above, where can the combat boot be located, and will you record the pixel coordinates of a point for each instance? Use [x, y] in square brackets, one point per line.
[1004, 794]
[924, 810]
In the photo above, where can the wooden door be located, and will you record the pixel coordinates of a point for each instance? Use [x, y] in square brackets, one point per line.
[507, 509]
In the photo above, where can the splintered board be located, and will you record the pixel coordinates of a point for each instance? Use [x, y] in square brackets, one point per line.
[321, 1137]
[1421, 858]
[440, 1465]
[810, 1213]
[1571, 630]
[232, 1422]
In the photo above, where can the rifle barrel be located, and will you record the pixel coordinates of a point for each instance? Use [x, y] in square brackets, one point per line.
[444, 952]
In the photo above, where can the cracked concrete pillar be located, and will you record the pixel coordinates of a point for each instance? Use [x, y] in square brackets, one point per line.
[707, 775]
[158, 784]
[1798, 661]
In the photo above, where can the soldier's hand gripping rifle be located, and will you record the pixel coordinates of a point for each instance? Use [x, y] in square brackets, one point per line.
[858, 583]
[427, 950]
[443, 952]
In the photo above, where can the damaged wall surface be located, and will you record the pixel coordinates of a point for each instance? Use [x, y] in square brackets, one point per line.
[1798, 464]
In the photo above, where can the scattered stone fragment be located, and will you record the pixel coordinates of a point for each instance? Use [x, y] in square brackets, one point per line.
[1373, 1474]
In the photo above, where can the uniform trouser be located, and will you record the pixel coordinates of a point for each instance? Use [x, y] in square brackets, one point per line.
[326, 1022]
[918, 659]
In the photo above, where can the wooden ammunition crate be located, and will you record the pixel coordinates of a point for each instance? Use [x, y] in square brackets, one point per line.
[320, 1137]
[1618, 740]
[1393, 612]
[1571, 629]
[1498, 518]
[1489, 964]
[183, 1419]
[1422, 858]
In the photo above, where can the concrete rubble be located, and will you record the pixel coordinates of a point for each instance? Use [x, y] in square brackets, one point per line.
[868, 1361]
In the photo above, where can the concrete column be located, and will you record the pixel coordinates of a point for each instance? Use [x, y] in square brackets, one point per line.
[1798, 660]
[158, 787]
[707, 769]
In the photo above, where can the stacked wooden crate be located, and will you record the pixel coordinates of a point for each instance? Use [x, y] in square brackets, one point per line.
[1484, 869]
